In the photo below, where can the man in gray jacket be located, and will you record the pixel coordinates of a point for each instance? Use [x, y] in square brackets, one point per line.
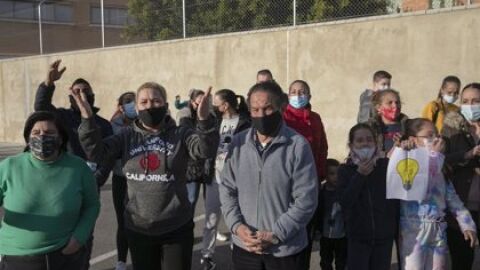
[269, 188]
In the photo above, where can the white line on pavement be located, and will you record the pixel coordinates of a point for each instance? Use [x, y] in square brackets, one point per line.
[103, 257]
[112, 253]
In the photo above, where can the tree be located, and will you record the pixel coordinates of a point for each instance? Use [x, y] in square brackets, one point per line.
[162, 19]
[155, 19]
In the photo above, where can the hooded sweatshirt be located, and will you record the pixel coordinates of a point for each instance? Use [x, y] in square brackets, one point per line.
[154, 165]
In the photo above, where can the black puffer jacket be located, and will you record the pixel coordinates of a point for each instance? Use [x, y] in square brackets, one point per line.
[203, 171]
[71, 119]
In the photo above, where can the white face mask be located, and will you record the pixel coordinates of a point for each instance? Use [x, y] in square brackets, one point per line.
[365, 153]
[449, 99]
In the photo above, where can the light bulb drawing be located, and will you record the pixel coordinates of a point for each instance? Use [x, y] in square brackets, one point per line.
[407, 169]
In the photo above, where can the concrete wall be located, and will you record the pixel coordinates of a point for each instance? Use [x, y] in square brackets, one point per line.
[337, 60]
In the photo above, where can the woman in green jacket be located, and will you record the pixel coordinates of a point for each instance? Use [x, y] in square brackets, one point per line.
[50, 200]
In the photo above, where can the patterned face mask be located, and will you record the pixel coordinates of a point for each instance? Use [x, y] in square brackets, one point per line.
[43, 146]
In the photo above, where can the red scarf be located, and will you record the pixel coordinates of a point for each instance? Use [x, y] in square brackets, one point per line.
[299, 120]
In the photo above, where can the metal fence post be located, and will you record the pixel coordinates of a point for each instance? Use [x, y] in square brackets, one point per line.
[184, 20]
[294, 12]
[40, 35]
[102, 15]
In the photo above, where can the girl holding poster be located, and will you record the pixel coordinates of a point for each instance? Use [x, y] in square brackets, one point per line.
[423, 240]
[371, 220]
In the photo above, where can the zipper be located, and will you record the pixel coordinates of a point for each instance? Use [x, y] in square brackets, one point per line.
[258, 194]
[261, 160]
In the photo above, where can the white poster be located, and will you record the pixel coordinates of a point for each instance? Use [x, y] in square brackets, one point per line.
[407, 174]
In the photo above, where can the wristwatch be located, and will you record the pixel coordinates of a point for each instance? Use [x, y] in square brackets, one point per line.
[275, 239]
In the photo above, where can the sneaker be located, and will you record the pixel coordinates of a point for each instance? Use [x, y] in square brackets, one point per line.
[222, 237]
[121, 266]
[208, 263]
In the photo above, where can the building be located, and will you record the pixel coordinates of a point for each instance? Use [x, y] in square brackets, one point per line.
[417, 5]
[66, 25]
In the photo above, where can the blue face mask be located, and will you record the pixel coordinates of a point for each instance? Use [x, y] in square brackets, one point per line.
[129, 110]
[298, 102]
[471, 112]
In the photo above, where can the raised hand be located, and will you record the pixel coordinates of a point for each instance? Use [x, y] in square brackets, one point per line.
[54, 74]
[408, 144]
[366, 167]
[203, 110]
[82, 103]
[438, 145]
[474, 152]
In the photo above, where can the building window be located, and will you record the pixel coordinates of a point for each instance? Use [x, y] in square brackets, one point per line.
[27, 10]
[6, 9]
[57, 13]
[112, 16]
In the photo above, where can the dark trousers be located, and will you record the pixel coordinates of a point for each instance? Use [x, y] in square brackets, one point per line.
[88, 253]
[244, 260]
[119, 192]
[51, 261]
[172, 251]
[461, 254]
[333, 250]
[369, 255]
[311, 228]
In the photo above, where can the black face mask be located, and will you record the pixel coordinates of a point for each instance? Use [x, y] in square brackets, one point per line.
[73, 103]
[217, 112]
[152, 117]
[268, 125]
[43, 146]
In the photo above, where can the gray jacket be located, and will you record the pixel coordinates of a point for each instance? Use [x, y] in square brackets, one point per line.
[276, 191]
[366, 110]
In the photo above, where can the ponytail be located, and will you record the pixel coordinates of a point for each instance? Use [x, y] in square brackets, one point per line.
[242, 107]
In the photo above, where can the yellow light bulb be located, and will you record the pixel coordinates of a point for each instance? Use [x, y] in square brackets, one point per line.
[407, 169]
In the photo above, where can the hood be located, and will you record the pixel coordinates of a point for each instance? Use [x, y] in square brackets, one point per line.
[454, 123]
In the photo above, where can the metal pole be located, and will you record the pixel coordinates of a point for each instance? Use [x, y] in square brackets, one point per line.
[103, 23]
[40, 36]
[184, 20]
[294, 12]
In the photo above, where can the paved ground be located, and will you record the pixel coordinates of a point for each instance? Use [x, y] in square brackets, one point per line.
[104, 254]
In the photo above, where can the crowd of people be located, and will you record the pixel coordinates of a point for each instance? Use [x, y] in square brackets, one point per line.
[262, 163]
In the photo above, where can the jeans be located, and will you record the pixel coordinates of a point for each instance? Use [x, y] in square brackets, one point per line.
[193, 189]
[213, 213]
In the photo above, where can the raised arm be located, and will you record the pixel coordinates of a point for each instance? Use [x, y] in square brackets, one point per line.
[43, 97]
[101, 151]
[203, 142]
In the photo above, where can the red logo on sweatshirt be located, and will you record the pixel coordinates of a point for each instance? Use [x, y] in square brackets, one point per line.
[151, 161]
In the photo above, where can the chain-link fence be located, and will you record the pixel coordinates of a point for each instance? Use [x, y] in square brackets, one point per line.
[44, 26]
[204, 17]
